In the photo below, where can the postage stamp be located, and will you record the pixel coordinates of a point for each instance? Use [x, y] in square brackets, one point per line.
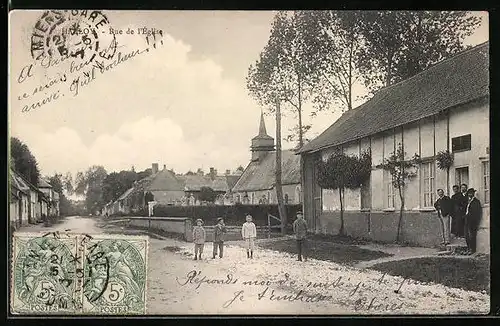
[65, 273]
[61, 34]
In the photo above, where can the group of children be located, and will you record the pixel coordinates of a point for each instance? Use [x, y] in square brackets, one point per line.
[248, 232]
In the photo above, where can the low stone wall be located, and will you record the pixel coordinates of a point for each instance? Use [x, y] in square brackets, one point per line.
[178, 225]
[181, 225]
[418, 228]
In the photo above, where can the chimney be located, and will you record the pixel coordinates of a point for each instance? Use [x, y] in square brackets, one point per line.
[154, 168]
[164, 166]
[228, 172]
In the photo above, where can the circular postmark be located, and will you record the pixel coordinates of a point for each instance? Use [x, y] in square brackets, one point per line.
[115, 276]
[81, 34]
[43, 274]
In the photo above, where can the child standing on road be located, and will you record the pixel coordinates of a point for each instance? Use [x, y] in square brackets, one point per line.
[219, 231]
[198, 239]
[300, 230]
[249, 233]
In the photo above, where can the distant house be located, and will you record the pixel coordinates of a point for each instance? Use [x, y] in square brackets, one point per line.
[19, 200]
[257, 183]
[162, 186]
[124, 205]
[443, 108]
[44, 205]
[34, 208]
[52, 197]
[221, 184]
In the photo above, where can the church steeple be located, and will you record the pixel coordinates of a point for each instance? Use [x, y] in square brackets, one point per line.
[262, 143]
[262, 126]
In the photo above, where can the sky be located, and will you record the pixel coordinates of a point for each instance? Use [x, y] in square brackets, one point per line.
[183, 104]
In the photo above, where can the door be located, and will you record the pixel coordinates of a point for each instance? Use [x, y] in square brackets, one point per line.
[462, 175]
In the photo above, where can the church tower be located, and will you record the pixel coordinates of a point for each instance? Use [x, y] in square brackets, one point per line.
[262, 143]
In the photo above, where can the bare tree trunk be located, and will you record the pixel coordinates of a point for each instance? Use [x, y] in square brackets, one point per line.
[341, 231]
[301, 136]
[400, 214]
[349, 90]
[279, 189]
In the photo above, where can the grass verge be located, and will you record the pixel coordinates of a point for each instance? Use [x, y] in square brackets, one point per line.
[472, 274]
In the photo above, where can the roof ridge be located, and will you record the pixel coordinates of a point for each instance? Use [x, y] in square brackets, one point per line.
[432, 66]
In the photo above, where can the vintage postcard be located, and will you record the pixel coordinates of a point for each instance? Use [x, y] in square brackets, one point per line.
[249, 162]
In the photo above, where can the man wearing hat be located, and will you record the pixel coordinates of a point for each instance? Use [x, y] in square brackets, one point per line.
[472, 218]
[300, 230]
[219, 231]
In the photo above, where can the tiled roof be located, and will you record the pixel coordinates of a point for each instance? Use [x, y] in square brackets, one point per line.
[126, 194]
[42, 183]
[232, 180]
[19, 182]
[261, 175]
[457, 80]
[165, 180]
[219, 183]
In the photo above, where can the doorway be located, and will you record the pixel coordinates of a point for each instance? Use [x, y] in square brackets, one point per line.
[462, 175]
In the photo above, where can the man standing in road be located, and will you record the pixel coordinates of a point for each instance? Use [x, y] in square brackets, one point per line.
[472, 219]
[300, 230]
[219, 231]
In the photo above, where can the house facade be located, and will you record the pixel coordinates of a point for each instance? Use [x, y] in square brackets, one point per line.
[19, 200]
[221, 184]
[443, 108]
[257, 183]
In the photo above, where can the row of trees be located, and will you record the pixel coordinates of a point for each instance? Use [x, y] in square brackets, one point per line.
[321, 56]
[341, 171]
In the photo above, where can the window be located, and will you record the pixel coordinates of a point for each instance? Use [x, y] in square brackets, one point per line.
[462, 143]
[462, 175]
[486, 181]
[389, 190]
[428, 170]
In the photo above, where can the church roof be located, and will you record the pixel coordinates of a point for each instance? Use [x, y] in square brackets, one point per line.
[260, 175]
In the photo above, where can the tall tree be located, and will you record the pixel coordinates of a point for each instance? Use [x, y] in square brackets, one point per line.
[400, 44]
[90, 184]
[334, 42]
[266, 84]
[24, 161]
[68, 183]
[57, 181]
[284, 65]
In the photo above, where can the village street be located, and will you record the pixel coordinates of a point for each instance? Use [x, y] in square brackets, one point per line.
[274, 282]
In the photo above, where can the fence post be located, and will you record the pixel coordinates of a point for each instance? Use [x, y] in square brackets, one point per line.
[268, 227]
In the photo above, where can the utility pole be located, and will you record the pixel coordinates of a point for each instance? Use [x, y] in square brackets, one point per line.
[279, 189]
